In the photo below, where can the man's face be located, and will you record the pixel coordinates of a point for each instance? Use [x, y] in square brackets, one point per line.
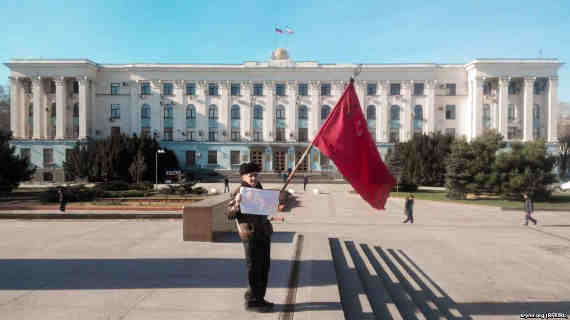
[250, 178]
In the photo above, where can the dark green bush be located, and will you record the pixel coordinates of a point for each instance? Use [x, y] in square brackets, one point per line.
[71, 194]
[115, 186]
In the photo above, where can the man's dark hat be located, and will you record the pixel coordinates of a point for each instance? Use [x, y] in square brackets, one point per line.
[248, 167]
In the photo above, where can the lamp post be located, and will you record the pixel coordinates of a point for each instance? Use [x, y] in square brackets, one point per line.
[156, 168]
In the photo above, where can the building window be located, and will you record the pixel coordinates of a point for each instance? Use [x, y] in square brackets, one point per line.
[371, 89]
[486, 117]
[213, 113]
[536, 121]
[235, 112]
[48, 176]
[235, 89]
[371, 112]
[514, 133]
[212, 89]
[486, 88]
[212, 157]
[28, 87]
[235, 122]
[539, 86]
[418, 119]
[115, 131]
[167, 133]
[48, 157]
[75, 87]
[258, 89]
[280, 89]
[257, 135]
[168, 113]
[325, 89]
[190, 135]
[450, 132]
[75, 120]
[303, 113]
[25, 153]
[115, 111]
[145, 88]
[418, 89]
[190, 158]
[280, 112]
[303, 89]
[394, 123]
[511, 112]
[514, 87]
[115, 88]
[212, 134]
[371, 120]
[450, 112]
[303, 135]
[235, 134]
[145, 111]
[280, 134]
[234, 157]
[258, 113]
[190, 89]
[451, 89]
[325, 111]
[167, 89]
[190, 116]
[395, 89]
[51, 87]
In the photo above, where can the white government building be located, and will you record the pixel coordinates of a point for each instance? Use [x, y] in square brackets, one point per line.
[219, 115]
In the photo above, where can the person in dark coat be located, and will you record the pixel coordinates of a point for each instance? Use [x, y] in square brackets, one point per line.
[305, 181]
[226, 185]
[529, 209]
[61, 198]
[255, 233]
[409, 209]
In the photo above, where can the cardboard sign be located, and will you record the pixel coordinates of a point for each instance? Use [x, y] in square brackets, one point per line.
[258, 201]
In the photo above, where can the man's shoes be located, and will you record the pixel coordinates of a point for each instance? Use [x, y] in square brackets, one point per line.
[535, 221]
[247, 296]
[259, 306]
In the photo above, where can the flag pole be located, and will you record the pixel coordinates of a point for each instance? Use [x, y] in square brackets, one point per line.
[304, 156]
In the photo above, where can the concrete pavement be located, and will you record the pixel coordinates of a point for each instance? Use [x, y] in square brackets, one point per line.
[456, 261]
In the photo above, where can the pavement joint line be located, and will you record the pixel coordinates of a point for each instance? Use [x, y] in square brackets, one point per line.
[550, 234]
[289, 308]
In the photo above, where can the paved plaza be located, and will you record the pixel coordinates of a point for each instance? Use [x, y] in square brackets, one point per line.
[455, 261]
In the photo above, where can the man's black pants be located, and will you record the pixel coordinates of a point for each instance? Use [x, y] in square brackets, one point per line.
[257, 259]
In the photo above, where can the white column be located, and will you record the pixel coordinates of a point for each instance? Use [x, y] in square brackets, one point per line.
[225, 111]
[406, 115]
[360, 88]
[502, 105]
[24, 105]
[179, 112]
[293, 106]
[38, 92]
[15, 108]
[61, 102]
[83, 97]
[269, 114]
[156, 114]
[429, 88]
[553, 111]
[314, 109]
[246, 111]
[201, 104]
[528, 101]
[477, 108]
[382, 112]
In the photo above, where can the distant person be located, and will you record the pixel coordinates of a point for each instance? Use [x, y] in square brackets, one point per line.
[289, 172]
[284, 176]
[305, 181]
[61, 198]
[226, 185]
[529, 209]
[255, 233]
[409, 209]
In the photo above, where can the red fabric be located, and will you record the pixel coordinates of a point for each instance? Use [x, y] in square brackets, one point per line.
[345, 139]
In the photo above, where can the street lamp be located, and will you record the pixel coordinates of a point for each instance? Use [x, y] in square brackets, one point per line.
[156, 168]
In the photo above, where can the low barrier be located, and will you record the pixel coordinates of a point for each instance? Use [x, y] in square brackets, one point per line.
[206, 220]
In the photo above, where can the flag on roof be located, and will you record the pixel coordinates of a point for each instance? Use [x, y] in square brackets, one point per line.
[278, 30]
[289, 30]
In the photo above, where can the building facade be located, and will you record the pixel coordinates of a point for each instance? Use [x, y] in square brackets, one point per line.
[218, 116]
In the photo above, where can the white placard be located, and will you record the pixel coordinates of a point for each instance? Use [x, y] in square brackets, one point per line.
[258, 201]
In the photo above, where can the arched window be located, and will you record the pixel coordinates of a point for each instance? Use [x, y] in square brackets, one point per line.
[190, 122]
[303, 113]
[371, 112]
[168, 123]
[235, 112]
[213, 112]
[145, 111]
[486, 116]
[280, 112]
[418, 119]
[258, 112]
[168, 114]
[325, 110]
[395, 123]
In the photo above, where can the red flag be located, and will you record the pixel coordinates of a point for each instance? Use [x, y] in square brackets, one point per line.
[345, 139]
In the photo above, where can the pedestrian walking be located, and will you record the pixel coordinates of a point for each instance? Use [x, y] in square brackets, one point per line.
[305, 181]
[255, 233]
[529, 209]
[61, 198]
[226, 185]
[409, 209]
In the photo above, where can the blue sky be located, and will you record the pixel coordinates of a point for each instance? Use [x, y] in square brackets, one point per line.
[325, 31]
